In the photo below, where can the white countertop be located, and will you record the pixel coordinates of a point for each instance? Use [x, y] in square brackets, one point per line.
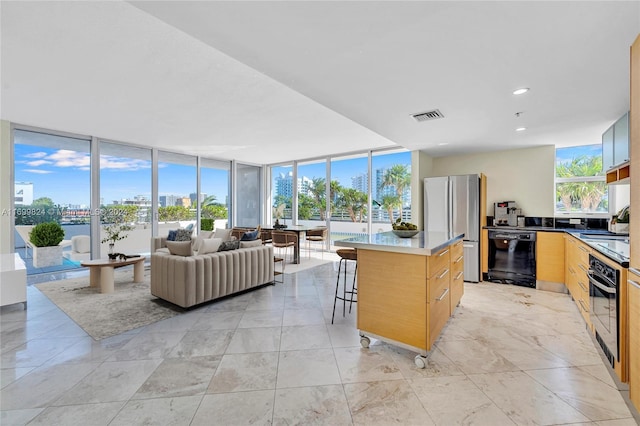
[424, 243]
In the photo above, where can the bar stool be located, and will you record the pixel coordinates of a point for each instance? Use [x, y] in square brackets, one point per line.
[345, 256]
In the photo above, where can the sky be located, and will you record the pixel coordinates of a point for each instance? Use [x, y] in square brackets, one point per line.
[63, 175]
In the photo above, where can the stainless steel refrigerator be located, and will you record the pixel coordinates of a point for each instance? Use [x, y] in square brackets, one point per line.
[452, 204]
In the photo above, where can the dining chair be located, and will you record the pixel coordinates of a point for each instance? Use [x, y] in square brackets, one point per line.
[284, 240]
[316, 235]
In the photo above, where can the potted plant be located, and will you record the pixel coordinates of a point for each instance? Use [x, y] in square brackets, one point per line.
[46, 238]
[114, 232]
[278, 213]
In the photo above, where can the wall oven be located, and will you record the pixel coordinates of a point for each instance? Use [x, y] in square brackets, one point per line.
[512, 257]
[604, 282]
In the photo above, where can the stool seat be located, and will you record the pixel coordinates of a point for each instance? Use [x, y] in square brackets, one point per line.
[348, 254]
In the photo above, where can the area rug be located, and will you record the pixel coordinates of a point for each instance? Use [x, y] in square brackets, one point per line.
[105, 315]
[305, 263]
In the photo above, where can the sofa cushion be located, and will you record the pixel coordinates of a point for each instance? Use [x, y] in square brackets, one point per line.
[247, 244]
[223, 233]
[172, 235]
[180, 248]
[229, 245]
[183, 235]
[210, 245]
[250, 235]
[203, 235]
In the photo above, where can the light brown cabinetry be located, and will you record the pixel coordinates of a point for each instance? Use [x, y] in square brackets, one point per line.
[633, 314]
[576, 272]
[550, 258]
[634, 128]
[406, 298]
[457, 274]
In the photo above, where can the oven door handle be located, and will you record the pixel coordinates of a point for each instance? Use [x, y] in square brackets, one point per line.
[602, 287]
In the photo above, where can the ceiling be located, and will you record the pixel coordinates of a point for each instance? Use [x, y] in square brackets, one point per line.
[269, 81]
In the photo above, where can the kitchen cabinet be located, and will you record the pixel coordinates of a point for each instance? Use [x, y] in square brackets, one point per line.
[633, 314]
[615, 151]
[634, 125]
[457, 275]
[576, 273]
[550, 269]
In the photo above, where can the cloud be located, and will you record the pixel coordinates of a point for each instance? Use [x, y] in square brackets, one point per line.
[36, 155]
[108, 162]
[37, 163]
[38, 171]
[67, 158]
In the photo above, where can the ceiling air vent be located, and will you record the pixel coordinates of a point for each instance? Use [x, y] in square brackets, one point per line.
[428, 115]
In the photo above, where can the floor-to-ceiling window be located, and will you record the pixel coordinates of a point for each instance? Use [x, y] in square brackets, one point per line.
[52, 185]
[214, 193]
[390, 189]
[125, 196]
[312, 199]
[248, 190]
[177, 188]
[348, 196]
[282, 193]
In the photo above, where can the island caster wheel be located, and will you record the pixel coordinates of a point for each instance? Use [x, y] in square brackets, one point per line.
[420, 361]
[364, 341]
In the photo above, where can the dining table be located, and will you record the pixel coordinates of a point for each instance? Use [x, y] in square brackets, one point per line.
[298, 229]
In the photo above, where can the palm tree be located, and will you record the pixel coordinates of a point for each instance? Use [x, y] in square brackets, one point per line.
[398, 177]
[209, 201]
[588, 194]
[390, 202]
[355, 202]
[317, 190]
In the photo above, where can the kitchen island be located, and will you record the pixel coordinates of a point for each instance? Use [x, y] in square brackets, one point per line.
[407, 287]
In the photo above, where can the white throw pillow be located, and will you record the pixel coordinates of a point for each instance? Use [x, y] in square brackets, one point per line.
[209, 245]
[252, 243]
[223, 233]
[180, 248]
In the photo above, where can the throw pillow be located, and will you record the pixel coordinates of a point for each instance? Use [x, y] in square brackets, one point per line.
[229, 245]
[223, 233]
[254, 243]
[210, 245]
[183, 235]
[172, 235]
[179, 248]
[189, 227]
[250, 235]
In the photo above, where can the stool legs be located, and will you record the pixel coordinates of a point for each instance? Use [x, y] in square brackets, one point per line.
[344, 290]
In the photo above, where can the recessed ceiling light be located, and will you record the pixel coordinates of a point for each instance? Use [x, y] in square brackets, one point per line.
[443, 143]
[521, 91]
[521, 129]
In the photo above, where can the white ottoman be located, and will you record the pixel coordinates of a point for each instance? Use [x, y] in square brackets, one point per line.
[81, 244]
[13, 280]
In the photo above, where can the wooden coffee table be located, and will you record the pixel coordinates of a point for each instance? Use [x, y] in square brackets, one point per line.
[101, 271]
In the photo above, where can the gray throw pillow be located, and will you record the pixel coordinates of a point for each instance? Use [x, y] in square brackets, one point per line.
[229, 245]
[179, 248]
[183, 234]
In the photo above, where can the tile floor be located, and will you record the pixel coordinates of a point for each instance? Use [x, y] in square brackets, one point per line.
[510, 355]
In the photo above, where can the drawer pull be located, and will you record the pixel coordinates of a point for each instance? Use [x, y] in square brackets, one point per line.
[444, 293]
[582, 305]
[443, 253]
[459, 259]
[583, 249]
[571, 271]
[583, 269]
[582, 287]
[634, 283]
[459, 275]
[445, 272]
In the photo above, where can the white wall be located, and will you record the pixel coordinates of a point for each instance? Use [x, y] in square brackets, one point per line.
[421, 164]
[6, 188]
[525, 176]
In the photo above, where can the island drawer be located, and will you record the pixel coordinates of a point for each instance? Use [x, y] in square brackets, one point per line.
[438, 262]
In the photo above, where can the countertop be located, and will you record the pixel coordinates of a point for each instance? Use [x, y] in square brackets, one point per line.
[423, 243]
[587, 236]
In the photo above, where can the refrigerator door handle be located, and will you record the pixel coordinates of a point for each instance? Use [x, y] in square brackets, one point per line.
[450, 206]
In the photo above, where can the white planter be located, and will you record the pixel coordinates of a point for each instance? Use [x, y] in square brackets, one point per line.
[620, 228]
[47, 256]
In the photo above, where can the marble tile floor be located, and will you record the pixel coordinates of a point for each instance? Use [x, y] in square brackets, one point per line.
[509, 356]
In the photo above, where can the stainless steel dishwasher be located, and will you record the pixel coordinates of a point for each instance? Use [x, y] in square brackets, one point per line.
[512, 257]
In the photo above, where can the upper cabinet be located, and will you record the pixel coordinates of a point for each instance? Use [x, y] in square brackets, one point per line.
[615, 151]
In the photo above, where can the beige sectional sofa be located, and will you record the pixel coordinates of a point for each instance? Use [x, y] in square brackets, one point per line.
[191, 280]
